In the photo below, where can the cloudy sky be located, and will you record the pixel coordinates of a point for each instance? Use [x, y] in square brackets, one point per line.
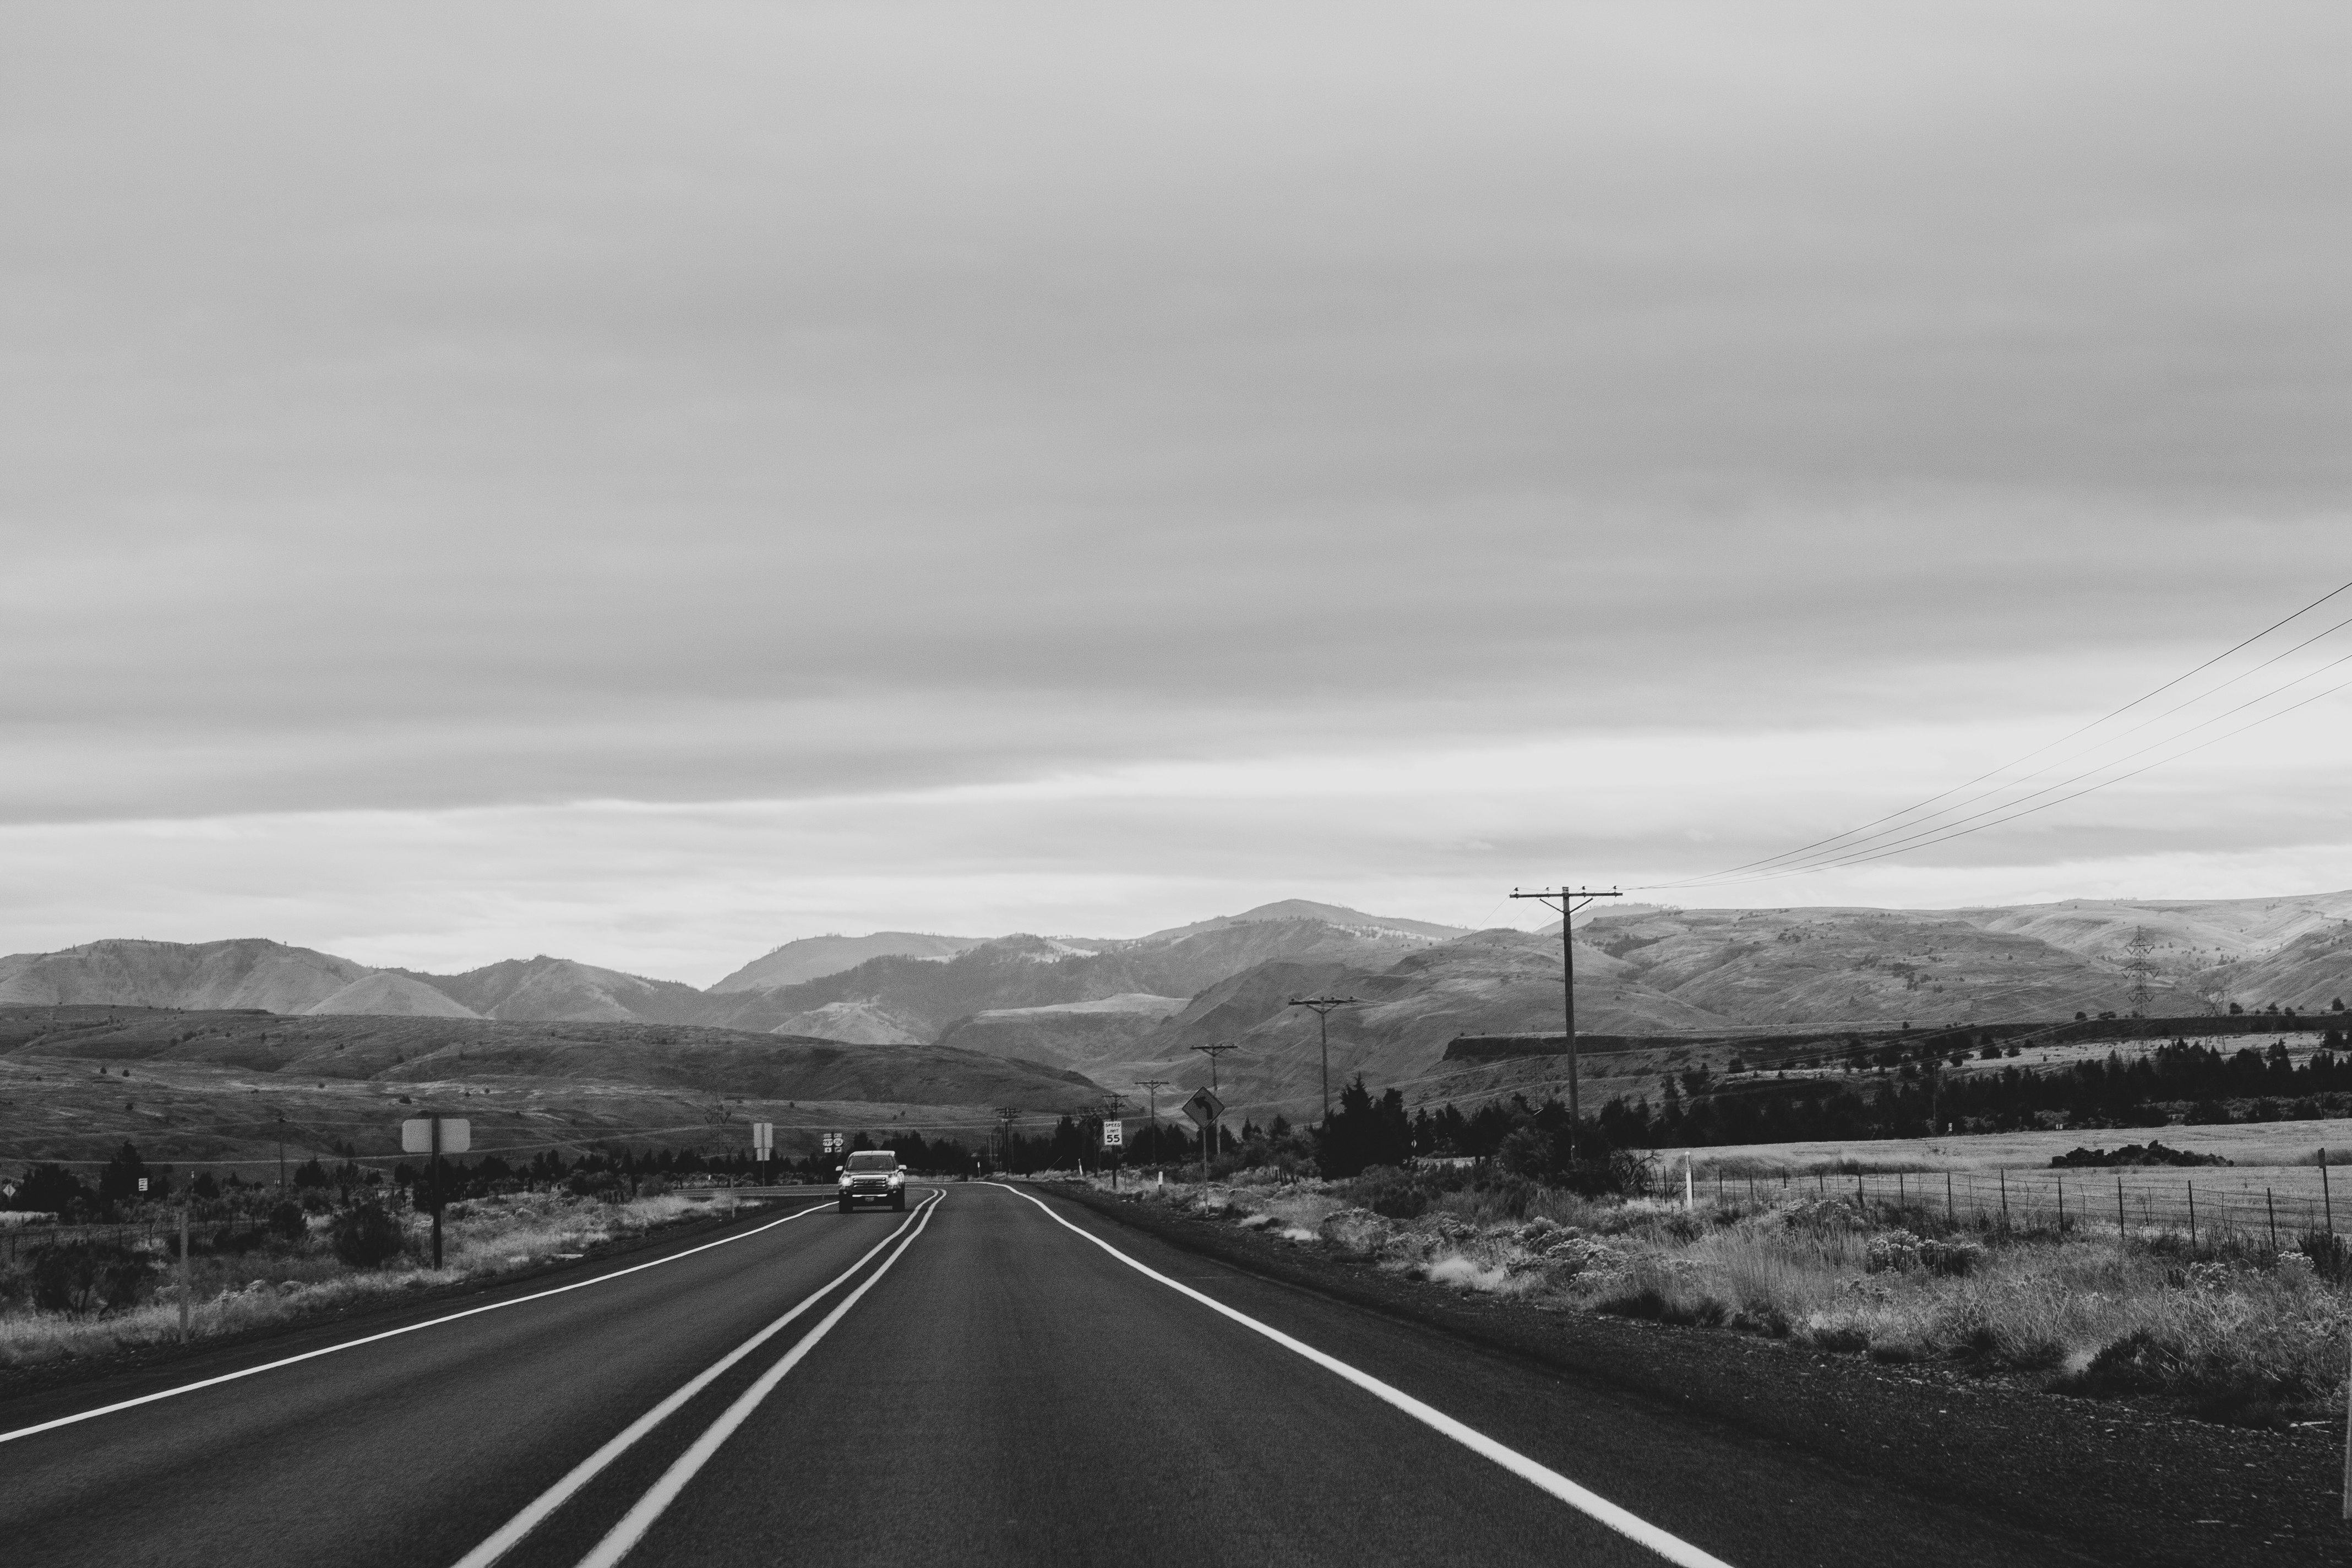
[648, 482]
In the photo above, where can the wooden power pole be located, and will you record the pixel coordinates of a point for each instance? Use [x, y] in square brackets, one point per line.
[1323, 1005]
[1567, 902]
[1152, 1086]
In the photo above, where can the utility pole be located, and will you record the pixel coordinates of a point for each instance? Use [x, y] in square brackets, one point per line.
[1323, 1005]
[1208, 1133]
[281, 1159]
[1006, 1117]
[1568, 904]
[1152, 1086]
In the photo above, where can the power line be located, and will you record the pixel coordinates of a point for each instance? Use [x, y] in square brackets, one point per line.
[1938, 837]
[1770, 861]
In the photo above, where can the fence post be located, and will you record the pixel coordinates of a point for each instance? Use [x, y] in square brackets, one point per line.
[2270, 1207]
[2192, 1222]
[1951, 1215]
[2061, 1208]
[2004, 1198]
[2327, 1198]
[2119, 1210]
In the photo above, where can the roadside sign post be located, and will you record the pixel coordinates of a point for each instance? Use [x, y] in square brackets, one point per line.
[1114, 1143]
[435, 1135]
[1204, 1107]
[763, 1144]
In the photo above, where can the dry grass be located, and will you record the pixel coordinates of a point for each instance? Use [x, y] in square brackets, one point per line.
[2237, 1334]
[228, 1294]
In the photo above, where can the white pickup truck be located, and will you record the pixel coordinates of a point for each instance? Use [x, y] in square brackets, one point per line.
[873, 1176]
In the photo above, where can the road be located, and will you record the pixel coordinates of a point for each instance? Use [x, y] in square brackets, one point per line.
[994, 1377]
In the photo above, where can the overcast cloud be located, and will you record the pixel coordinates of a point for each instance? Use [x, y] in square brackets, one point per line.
[648, 482]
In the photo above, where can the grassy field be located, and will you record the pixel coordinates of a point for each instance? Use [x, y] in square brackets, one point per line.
[193, 1115]
[2275, 1175]
[2230, 1328]
[288, 1277]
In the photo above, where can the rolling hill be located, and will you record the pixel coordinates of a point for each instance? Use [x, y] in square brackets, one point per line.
[248, 971]
[814, 957]
[562, 991]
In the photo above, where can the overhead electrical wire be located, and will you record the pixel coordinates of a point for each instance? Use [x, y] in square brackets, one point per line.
[1951, 831]
[1838, 849]
[2086, 750]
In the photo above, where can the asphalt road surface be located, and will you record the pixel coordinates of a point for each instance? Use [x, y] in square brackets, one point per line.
[991, 1378]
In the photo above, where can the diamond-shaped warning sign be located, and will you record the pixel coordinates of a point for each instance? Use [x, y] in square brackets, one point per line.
[1203, 1107]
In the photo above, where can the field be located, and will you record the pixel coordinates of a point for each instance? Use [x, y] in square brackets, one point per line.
[199, 1115]
[131, 1277]
[2232, 1328]
[2273, 1175]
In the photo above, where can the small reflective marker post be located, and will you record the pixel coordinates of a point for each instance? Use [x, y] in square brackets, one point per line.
[184, 1274]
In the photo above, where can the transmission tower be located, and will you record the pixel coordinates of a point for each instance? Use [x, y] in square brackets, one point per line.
[2141, 969]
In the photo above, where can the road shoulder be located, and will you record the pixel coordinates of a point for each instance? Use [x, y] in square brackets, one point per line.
[2122, 1482]
[207, 1357]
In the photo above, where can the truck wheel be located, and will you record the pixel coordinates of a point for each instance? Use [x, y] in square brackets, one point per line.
[899, 1202]
[844, 1206]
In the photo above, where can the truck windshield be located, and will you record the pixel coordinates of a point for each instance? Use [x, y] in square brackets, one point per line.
[882, 1160]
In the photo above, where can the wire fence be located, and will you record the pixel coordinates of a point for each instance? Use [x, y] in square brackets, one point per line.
[2283, 1202]
[236, 1233]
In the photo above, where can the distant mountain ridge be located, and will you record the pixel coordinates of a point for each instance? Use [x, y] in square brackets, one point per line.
[814, 957]
[1123, 1008]
[244, 972]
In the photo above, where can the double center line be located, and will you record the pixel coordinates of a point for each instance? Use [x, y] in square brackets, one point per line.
[623, 1536]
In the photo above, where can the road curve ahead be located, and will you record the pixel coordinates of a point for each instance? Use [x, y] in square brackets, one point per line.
[994, 1378]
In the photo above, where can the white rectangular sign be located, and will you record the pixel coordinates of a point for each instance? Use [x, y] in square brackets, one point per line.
[1114, 1135]
[417, 1134]
[763, 1137]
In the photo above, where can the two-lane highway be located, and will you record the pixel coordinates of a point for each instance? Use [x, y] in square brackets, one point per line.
[994, 1378]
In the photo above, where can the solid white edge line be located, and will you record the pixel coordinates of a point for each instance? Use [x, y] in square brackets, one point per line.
[1599, 1509]
[392, 1333]
[623, 1537]
[504, 1539]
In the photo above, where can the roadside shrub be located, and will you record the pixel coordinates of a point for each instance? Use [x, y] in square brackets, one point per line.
[86, 1277]
[2331, 1255]
[1620, 1173]
[366, 1236]
[1387, 1190]
[288, 1224]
